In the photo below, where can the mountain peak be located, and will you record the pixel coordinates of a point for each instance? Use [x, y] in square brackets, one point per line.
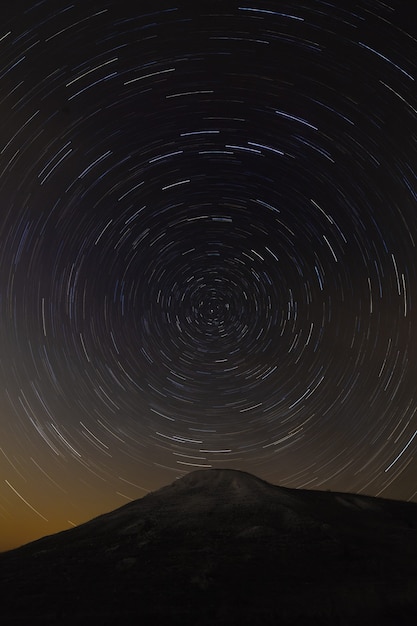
[221, 484]
[220, 478]
[222, 546]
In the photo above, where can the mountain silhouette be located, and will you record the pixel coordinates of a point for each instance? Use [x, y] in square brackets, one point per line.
[223, 547]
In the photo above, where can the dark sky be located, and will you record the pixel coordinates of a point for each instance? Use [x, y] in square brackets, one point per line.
[207, 250]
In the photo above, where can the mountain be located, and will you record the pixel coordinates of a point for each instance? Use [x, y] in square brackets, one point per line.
[223, 547]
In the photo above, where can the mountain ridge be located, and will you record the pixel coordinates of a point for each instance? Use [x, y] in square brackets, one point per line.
[232, 544]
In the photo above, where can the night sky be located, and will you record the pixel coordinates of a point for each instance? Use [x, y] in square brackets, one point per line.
[207, 250]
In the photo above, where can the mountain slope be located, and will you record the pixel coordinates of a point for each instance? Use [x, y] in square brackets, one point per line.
[223, 547]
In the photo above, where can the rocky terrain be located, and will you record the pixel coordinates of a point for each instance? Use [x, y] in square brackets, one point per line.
[223, 547]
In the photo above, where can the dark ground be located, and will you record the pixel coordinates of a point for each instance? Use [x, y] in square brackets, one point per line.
[223, 547]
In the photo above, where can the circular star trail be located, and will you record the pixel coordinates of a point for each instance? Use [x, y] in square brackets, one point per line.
[208, 250]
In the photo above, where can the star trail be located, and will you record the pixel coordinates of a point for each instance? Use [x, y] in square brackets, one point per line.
[207, 250]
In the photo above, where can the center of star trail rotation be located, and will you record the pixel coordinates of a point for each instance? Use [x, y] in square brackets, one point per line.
[208, 249]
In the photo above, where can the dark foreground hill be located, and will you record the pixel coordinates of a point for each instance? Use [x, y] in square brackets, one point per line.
[223, 547]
